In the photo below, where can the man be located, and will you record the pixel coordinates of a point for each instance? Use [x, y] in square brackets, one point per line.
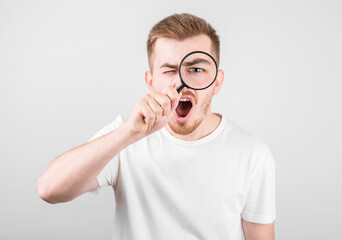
[200, 176]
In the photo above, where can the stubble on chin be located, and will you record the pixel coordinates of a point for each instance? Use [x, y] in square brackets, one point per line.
[182, 128]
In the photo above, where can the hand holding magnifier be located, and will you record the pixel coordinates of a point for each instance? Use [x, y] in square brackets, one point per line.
[197, 70]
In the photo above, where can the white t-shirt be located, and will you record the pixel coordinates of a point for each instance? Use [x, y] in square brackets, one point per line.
[169, 189]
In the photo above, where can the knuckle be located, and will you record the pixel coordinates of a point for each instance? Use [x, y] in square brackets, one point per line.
[143, 104]
[148, 97]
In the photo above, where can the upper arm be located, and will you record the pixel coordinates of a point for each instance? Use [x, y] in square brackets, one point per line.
[259, 206]
[258, 231]
[92, 185]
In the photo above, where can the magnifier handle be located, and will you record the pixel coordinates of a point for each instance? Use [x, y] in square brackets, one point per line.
[180, 88]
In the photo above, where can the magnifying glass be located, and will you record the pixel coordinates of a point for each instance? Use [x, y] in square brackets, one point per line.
[197, 70]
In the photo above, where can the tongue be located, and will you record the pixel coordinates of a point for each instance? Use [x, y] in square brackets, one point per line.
[183, 108]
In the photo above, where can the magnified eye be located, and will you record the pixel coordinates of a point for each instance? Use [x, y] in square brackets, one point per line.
[196, 70]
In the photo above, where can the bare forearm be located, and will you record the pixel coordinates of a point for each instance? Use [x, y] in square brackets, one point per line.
[70, 174]
[258, 231]
[75, 171]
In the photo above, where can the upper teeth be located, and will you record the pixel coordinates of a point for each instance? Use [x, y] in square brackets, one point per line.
[184, 100]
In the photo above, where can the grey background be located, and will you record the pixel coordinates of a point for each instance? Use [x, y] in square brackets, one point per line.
[67, 68]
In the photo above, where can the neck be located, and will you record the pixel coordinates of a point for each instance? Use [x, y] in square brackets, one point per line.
[207, 126]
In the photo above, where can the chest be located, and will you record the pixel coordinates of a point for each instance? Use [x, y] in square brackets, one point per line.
[212, 175]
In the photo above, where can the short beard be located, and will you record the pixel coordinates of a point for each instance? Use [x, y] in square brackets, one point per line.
[182, 128]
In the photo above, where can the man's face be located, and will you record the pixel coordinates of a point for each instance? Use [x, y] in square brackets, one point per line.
[165, 61]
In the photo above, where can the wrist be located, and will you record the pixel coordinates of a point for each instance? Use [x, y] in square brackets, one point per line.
[130, 134]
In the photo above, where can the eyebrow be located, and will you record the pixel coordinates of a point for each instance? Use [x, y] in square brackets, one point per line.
[195, 61]
[168, 65]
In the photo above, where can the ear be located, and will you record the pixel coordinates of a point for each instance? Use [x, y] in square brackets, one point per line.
[219, 81]
[148, 80]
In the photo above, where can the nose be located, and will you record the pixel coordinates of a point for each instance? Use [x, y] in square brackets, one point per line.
[176, 82]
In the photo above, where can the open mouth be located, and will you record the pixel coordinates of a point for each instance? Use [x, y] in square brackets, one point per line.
[184, 107]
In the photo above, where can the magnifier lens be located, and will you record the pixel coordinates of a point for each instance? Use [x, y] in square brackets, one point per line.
[198, 70]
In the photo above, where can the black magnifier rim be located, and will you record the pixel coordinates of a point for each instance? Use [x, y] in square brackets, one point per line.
[180, 65]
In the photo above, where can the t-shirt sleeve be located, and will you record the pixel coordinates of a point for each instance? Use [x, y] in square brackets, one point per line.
[108, 175]
[260, 203]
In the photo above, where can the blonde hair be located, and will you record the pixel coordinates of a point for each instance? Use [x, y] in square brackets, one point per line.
[180, 27]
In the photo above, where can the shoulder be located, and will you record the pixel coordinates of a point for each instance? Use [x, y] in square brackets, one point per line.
[243, 137]
[116, 122]
[251, 147]
[112, 125]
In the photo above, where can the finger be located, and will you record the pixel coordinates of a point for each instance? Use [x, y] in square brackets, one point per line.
[148, 113]
[164, 101]
[157, 109]
[171, 91]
